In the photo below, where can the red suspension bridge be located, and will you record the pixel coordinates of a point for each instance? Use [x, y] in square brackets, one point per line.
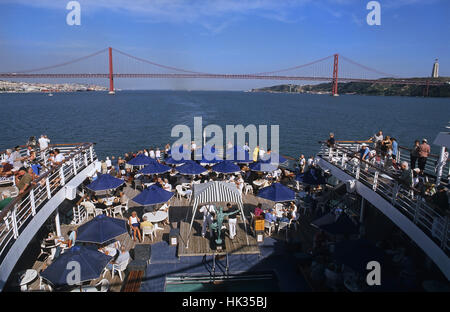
[333, 68]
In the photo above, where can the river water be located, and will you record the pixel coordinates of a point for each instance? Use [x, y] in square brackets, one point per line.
[132, 120]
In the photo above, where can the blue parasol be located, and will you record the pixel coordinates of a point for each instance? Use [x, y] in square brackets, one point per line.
[91, 264]
[262, 167]
[141, 160]
[152, 196]
[105, 182]
[155, 168]
[226, 166]
[101, 229]
[191, 168]
[277, 192]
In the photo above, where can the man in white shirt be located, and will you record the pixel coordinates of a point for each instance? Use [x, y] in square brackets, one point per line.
[108, 162]
[261, 153]
[207, 211]
[43, 142]
[124, 255]
[59, 158]
[246, 147]
[302, 163]
[158, 154]
[151, 153]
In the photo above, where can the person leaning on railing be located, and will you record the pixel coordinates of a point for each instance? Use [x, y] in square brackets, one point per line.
[23, 180]
[406, 176]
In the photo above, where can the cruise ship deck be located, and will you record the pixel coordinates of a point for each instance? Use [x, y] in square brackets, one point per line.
[372, 196]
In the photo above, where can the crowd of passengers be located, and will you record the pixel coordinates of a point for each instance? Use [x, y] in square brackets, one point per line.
[384, 154]
[22, 170]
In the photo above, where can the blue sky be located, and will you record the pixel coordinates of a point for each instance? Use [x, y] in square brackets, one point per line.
[227, 36]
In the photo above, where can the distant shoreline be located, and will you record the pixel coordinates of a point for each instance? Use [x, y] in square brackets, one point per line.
[359, 88]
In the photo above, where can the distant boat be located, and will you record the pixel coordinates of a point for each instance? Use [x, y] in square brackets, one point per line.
[112, 92]
[50, 94]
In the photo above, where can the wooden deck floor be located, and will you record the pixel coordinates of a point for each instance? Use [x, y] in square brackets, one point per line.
[200, 246]
[197, 245]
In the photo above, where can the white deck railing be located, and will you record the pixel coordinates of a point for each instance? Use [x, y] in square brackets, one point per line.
[434, 223]
[15, 217]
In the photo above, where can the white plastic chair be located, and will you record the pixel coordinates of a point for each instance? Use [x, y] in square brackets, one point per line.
[98, 211]
[42, 284]
[104, 285]
[125, 208]
[248, 188]
[146, 230]
[164, 207]
[269, 225]
[117, 211]
[182, 193]
[119, 268]
[283, 226]
[90, 208]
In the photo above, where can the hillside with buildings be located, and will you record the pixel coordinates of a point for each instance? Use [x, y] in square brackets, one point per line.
[30, 87]
[380, 89]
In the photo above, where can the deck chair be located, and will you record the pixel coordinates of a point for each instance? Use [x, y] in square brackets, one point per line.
[181, 193]
[269, 225]
[119, 268]
[138, 184]
[248, 189]
[146, 230]
[43, 284]
[90, 208]
[117, 211]
[98, 211]
[104, 285]
[283, 226]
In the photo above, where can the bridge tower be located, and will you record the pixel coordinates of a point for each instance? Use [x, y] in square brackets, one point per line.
[111, 75]
[334, 91]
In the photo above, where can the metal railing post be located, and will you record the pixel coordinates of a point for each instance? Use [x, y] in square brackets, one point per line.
[91, 150]
[375, 181]
[47, 184]
[74, 166]
[14, 222]
[395, 190]
[61, 175]
[343, 163]
[32, 203]
[416, 212]
[85, 159]
[358, 169]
